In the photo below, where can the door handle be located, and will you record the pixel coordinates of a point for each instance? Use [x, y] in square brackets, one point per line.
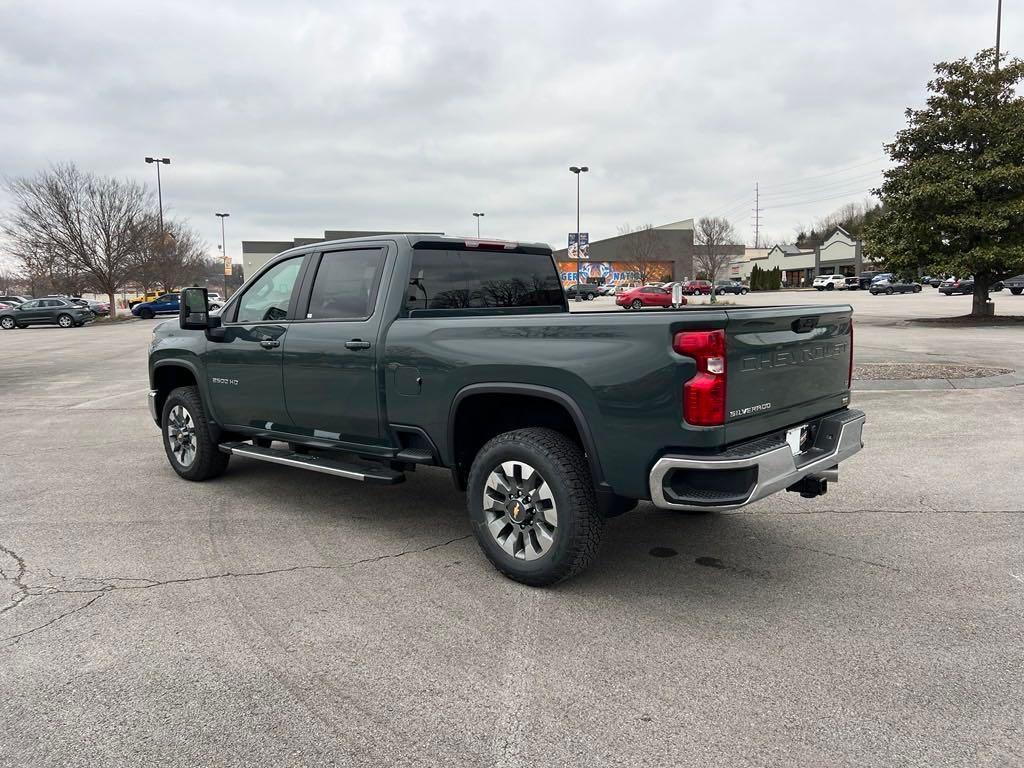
[270, 343]
[357, 344]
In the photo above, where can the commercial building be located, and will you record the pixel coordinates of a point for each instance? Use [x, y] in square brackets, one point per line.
[665, 253]
[256, 253]
[840, 254]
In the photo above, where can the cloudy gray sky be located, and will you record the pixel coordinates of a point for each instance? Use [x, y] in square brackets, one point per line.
[301, 116]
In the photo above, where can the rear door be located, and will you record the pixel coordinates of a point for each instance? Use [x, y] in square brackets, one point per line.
[244, 366]
[331, 381]
[785, 364]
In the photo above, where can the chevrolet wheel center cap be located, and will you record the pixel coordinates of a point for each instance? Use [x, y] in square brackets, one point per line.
[517, 510]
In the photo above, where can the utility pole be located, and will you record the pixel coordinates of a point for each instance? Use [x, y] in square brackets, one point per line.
[478, 215]
[224, 251]
[578, 170]
[999, 24]
[757, 215]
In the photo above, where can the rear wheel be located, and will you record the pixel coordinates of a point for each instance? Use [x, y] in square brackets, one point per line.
[65, 321]
[743, 292]
[888, 291]
[637, 304]
[917, 289]
[1016, 291]
[533, 507]
[830, 287]
[146, 313]
[188, 441]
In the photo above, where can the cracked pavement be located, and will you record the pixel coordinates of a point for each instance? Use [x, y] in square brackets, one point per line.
[280, 617]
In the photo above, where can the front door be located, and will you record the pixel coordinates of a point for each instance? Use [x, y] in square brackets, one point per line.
[244, 367]
[330, 355]
[31, 311]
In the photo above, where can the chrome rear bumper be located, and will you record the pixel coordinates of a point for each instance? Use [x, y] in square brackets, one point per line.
[769, 464]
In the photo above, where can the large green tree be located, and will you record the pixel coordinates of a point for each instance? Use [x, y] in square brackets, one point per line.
[954, 201]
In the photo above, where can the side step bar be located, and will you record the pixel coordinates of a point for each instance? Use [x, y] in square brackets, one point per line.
[329, 466]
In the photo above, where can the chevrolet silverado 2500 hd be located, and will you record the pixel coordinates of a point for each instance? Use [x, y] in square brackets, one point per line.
[369, 357]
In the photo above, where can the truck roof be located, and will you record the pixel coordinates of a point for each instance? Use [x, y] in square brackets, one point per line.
[418, 239]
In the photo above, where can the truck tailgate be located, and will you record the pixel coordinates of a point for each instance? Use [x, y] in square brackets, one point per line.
[785, 365]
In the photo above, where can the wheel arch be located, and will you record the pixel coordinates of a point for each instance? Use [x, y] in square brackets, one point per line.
[176, 372]
[458, 442]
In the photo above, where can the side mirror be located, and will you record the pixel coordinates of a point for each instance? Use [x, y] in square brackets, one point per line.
[194, 310]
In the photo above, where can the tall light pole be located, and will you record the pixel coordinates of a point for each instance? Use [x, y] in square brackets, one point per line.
[999, 24]
[159, 192]
[478, 215]
[578, 170]
[224, 251]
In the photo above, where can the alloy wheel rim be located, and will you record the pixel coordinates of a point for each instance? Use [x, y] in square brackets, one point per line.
[181, 434]
[8, 323]
[520, 510]
[64, 321]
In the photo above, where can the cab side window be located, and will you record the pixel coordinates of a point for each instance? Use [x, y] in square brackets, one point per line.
[266, 300]
[346, 285]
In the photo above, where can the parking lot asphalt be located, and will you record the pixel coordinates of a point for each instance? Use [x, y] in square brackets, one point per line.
[278, 617]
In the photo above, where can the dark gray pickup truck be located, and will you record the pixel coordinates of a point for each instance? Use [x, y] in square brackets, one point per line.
[367, 358]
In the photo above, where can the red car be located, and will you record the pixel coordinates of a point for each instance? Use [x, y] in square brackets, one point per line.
[698, 287]
[648, 296]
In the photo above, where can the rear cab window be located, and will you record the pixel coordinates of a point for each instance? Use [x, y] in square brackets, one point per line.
[451, 279]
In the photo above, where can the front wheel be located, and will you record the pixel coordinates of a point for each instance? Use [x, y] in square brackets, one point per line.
[532, 506]
[1016, 291]
[744, 292]
[7, 323]
[917, 289]
[637, 304]
[888, 291]
[188, 442]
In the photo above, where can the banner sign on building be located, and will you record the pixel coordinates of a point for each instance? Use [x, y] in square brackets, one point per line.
[584, 245]
[611, 272]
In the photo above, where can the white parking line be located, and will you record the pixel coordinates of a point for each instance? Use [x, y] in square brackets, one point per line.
[87, 403]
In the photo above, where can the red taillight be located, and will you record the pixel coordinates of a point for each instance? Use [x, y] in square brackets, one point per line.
[704, 394]
[849, 373]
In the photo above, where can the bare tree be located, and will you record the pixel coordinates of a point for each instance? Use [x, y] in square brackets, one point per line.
[171, 261]
[94, 224]
[643, 253]
[712, 235]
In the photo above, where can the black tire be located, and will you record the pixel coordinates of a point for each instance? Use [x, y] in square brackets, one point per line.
[65, 321]
[564, 468]
[888, 291]
[209, 462]
[146, 313]
[830, 287]
[637, 304]
[917, 289]
[8, 323]
[744, 292]
[1016, 291]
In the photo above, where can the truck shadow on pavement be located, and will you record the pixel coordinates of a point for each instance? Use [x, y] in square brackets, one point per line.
[646, 549]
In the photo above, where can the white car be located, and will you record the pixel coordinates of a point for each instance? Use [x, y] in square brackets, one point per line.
[829, 282]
